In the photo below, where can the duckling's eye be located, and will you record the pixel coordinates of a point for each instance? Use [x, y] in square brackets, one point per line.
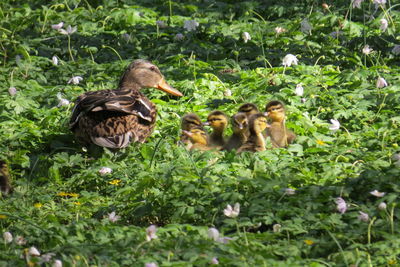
[153, 68]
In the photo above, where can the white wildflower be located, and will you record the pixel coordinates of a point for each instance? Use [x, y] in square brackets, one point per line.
[299, 91]
[379, 2]
[75, 80]
[54, 59]
[290, 191]
[33, 251]
[363, 216]
[289, 60]
[70, 30]
[276, 228]
[305, 26]
[367, 50]
[382, 206]
[396, 50]
[279, 30]
[341, 205]
[113, 217]
[377, 193]
[246, 37]
[179, 37]
[213, 233]
[151, 264]
[7, 236]
[151, 232]
[381, 82]
[214, 261]
[335, 125]
[229, 212]
[46, 257]
[57, 26]
[105, 170]
[227, 93]
[190, 25]
[224, 240]
[357, 3]
[20, 240]
[161, 24]
[384, 24]
[12, 91]
[303, 100]
[62, 101]
[57, 263]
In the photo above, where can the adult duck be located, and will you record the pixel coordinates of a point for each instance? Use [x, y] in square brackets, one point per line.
[115, 118]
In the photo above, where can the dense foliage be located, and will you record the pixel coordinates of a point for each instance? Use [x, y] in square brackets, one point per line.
[61, 203]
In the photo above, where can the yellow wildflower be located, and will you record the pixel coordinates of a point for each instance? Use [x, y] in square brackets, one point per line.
[3, 216]
[77, 203]
[115, 182]
[308, 242]
[38, 205]
[320, 142]
[392, 262]
[64, 194]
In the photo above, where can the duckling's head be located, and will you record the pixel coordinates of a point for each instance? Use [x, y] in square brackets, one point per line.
[217, 120]
[258, 122]
[249, 109]
[190, 121]
[141, 74]
[239, 122]
[196, 136]
[275, 110]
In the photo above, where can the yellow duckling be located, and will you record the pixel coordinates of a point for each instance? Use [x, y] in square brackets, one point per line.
[279, 134]
[218, 122]
[255, 142]
[249, 109]
[189, 122]
[240, 129]
[198, 137]
[5, 179]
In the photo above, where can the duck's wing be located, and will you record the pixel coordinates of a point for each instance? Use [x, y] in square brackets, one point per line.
[129, 102]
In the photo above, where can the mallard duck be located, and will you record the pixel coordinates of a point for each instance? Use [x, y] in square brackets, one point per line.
[255, 142]
[279, 134]
[249, 109]
[240, 133]
[5, 179]
[198, 138]
[218, 122]
[189, 121]
[114, 118]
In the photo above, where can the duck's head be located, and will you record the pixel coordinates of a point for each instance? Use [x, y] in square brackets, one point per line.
[190, 121]
[239, 122]
[143, 74]
[258, 122]
[249, 109]
[217, 120]
[275, 110]
[196, 136]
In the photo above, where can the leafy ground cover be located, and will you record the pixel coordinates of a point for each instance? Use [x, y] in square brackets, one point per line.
[291, 200]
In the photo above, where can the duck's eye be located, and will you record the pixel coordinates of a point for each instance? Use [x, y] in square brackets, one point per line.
[153, 68]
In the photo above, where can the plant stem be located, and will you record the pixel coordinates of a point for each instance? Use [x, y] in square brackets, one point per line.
[69, 48]
[369, 230]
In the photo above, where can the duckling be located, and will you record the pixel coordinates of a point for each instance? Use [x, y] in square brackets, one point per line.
[249, 109]
[115, 118]
[279, 134]
[218, 122]
[240, 131]
[255, 142]
[198, 138]
[5, 180]
[189, 121]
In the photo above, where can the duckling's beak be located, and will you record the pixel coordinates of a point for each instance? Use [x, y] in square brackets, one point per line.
[266, 114]
[207, 123]
[164, 86]
[187, 133]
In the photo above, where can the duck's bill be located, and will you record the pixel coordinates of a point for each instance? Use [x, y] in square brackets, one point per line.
[187, 133]
[164, 86]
